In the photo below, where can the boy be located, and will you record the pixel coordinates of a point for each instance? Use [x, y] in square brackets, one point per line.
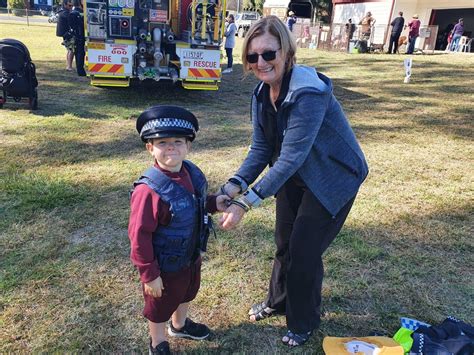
[169, 226]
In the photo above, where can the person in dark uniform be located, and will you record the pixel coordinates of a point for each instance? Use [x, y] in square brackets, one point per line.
[63, 30]
[169, 225]
[316, 168]
[76, 24]
[397, 28]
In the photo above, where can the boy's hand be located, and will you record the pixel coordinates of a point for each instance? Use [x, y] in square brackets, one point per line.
[231, 217]
[154, 287]
[222, 202]
[231, 190]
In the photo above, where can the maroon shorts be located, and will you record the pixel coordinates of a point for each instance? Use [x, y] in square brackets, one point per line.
[180, 287]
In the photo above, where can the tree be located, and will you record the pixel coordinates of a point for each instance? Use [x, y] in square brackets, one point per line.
[253, 5]
[232, 5]
[16, 4]
[323, 9]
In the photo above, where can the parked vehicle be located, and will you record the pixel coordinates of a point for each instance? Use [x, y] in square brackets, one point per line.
[303, 9]
[53, 17]
[244, 20]
[175, 40]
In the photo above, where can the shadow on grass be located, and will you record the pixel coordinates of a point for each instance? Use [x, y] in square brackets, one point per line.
[61, 92]
[250, 338]
[58, 151]
[374, 275]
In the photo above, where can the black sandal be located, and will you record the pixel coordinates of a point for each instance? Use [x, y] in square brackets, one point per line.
[261, 311]
[298, 338]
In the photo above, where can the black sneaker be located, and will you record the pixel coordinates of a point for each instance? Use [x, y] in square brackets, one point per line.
[162, 348]
[191, 330]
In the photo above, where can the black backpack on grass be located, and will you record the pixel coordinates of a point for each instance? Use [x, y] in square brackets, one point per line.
[17, 73]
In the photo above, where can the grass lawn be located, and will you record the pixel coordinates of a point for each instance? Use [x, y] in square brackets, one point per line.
[65, 277]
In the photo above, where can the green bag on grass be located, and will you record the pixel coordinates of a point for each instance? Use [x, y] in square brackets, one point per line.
[403, 337]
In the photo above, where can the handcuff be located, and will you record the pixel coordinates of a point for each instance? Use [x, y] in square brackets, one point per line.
[239, 183]
[248, 200]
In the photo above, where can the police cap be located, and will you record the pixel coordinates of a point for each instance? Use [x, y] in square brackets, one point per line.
[165, 121]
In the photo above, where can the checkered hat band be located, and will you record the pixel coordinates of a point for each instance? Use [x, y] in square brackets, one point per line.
[167, 123]
[412, 324]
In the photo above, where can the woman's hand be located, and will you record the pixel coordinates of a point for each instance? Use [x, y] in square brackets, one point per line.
[222, 202]
[154, 288]
[231, 217]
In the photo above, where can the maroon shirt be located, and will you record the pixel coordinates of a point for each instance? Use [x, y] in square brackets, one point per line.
[147, 213]
[414, 26]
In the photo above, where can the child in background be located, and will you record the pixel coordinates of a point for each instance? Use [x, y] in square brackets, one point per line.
[169, 225]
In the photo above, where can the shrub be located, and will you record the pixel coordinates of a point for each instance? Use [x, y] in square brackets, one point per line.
[16, 4]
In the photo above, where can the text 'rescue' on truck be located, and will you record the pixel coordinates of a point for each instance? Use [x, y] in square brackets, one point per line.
[177, 40]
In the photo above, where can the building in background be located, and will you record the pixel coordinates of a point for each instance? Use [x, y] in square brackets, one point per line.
[303, 9]
[439, 13]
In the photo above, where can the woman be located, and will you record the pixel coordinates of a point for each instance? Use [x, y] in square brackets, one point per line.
[229, 34]
[316, 169]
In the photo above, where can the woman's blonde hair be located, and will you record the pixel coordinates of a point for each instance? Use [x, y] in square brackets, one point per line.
[274, 26]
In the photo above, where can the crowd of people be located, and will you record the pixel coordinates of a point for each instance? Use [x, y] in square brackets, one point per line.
[451, 36]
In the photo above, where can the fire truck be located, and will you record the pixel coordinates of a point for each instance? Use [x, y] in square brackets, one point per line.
[175, 40]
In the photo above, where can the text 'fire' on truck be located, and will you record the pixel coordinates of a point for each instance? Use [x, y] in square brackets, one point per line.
[155, 39]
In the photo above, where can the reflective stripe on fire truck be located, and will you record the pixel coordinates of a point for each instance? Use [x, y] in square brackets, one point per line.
[106, 68]
[204, 73]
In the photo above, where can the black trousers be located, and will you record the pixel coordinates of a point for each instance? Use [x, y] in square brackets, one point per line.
[394, 37]
[230, 59]
[304, 229]
[79, 54]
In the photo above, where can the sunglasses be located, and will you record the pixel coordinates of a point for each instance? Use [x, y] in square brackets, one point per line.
[267, 56]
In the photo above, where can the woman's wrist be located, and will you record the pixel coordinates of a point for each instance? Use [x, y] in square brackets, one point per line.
[251, 198]
[248, 200]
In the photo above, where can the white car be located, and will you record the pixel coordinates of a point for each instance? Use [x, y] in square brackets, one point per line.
[244, 20]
